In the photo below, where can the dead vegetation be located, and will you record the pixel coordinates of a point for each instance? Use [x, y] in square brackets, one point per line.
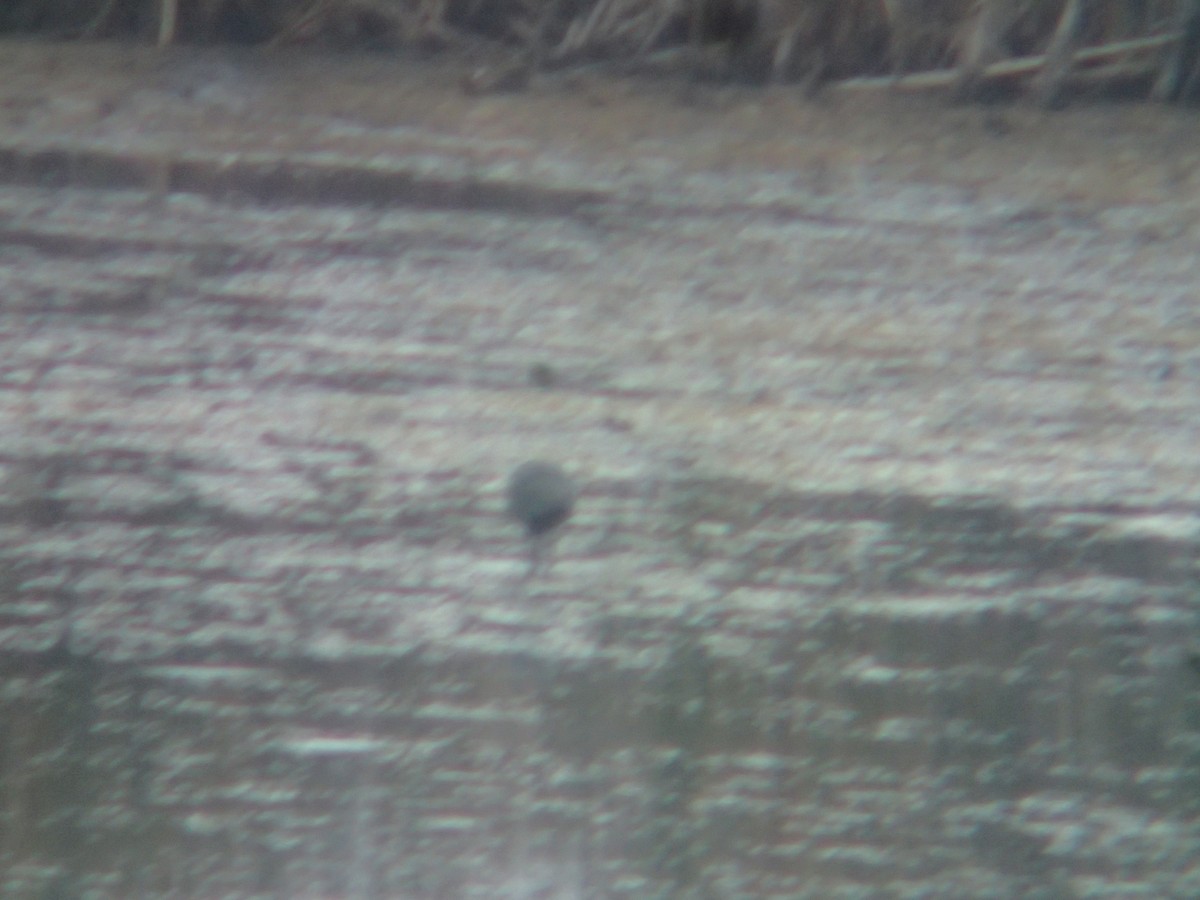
[1151, 44]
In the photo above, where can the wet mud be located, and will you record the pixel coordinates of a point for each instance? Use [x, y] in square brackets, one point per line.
[882, 576]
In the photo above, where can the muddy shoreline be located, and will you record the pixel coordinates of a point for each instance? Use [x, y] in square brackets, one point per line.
[881, 579]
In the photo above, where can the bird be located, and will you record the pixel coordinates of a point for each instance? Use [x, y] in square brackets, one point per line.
[541, 497]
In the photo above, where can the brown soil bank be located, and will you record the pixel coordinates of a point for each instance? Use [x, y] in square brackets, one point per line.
[881, 579]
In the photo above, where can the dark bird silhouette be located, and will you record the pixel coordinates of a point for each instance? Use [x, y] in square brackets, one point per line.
[540, 496]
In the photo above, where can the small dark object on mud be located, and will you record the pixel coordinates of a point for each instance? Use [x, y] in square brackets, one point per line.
[540, 496]
[542, 375]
